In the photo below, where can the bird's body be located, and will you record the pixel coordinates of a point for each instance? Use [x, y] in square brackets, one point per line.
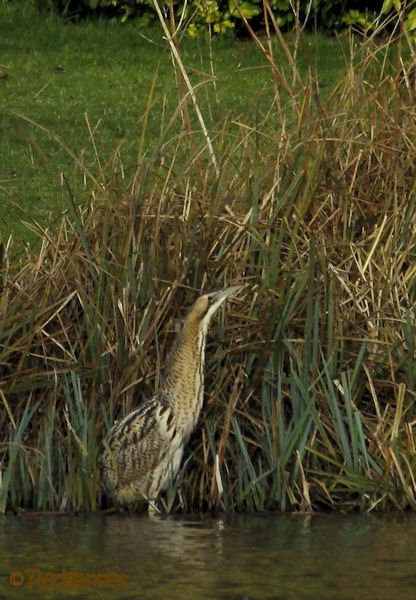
[144, 450]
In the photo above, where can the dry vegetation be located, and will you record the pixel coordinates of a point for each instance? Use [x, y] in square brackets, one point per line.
[310, 378]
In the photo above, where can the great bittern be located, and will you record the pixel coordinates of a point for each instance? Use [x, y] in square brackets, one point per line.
[144, 450]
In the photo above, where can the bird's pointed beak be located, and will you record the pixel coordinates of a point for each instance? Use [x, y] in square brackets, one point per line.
[223, 294]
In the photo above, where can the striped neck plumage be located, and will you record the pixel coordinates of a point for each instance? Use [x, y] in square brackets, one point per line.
[184, 383]
[184, 380]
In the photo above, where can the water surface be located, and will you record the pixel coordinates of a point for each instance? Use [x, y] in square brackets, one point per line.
[280, 557]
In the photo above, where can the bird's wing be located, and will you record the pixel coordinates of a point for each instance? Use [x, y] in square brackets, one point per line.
[138, 443]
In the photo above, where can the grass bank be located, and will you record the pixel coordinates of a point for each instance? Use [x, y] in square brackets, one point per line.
[310, 376]
[105, 92]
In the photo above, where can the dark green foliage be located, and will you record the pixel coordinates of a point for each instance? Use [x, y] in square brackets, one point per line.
[221, 16]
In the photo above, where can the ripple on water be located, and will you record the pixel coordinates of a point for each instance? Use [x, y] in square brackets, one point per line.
[230, 558]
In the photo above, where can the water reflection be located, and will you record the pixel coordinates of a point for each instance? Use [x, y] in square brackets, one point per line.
[231, 558]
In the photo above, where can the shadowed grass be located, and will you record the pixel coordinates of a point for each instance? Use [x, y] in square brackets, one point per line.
[310, 373]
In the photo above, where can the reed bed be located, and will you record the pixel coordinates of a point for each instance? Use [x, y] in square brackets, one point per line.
[310, 401]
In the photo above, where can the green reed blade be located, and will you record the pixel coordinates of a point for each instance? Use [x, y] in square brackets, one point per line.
[14, 451]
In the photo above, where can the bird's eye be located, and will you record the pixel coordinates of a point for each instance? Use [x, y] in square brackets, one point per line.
[211, 300]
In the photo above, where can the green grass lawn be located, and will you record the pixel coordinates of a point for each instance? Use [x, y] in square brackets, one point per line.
[311, 381]
[72, 78]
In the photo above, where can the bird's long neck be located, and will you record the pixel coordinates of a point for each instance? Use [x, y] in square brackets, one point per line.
[184, 379]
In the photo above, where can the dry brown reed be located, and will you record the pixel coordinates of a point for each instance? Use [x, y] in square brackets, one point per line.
[310, 376]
